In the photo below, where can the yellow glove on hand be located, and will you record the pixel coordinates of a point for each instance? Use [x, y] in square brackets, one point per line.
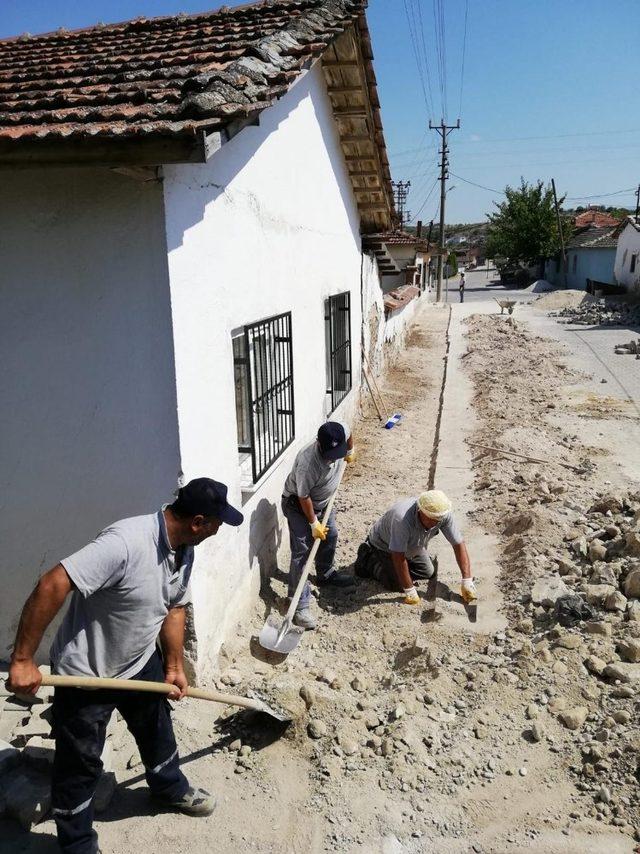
[351, 456]
[468, 591]
[411, 596]
[319, 530]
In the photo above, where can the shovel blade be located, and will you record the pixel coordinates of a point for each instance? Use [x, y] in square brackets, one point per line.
[277, 714]
[269, 638]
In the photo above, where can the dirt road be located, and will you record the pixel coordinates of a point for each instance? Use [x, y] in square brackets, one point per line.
[449, 736]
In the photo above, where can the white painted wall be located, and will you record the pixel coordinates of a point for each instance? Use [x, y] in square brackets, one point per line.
[268, 225]
[628, 245]
[89, 426]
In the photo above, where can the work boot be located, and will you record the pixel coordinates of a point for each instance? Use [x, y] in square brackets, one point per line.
[361, 567]
[305, 619]
[336, 578]
[195, 802]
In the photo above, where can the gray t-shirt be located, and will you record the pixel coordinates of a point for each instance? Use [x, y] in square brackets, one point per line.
[400, 529]
[314, 477]
[126, 580]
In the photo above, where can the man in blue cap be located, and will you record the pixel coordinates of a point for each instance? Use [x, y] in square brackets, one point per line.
[307, 491]
[129, 590]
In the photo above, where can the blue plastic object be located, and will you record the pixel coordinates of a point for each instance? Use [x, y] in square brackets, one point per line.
[396, 418]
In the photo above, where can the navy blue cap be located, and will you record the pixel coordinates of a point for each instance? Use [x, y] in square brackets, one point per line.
[333, 440]
[206, 497]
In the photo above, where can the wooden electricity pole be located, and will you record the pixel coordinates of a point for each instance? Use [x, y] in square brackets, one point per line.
[563, 256]
[444, 131]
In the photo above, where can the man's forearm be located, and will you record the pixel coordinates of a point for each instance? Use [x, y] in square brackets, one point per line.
[40, 608]
[172, 638]
[401, 568]
[306, 505]
[462, 557]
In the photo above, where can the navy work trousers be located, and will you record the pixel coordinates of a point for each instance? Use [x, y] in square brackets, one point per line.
[301, 542]
[80, 719]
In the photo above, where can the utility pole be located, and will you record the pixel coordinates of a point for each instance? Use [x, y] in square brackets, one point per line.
[563, 257]
[444, 131]
[401, 191]
[637, 202]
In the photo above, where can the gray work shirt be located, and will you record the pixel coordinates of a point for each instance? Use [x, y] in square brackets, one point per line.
[313, 477]
[400, 529]
[126, 580]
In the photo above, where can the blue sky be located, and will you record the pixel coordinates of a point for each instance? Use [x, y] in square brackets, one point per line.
[550, 89]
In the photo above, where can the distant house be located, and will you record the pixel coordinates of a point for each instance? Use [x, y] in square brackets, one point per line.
[627, 262]
[183, 284]
[595, 219]
[590, 257]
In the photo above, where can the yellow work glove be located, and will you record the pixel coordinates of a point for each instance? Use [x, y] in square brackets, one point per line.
[411, 596]
[468, 591]
[319, 530]
[351, 456]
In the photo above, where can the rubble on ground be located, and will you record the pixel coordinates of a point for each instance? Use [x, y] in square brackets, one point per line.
[599, 313]
[571, 572]
[630, 348]
[27, 751]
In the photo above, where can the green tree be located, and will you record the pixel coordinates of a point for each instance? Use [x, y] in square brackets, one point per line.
[524, 228]
[452, 261]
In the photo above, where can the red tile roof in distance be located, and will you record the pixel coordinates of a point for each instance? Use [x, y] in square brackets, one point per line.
[599, 219]
[162, 76]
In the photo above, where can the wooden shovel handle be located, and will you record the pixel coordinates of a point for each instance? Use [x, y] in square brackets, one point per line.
[93, 682]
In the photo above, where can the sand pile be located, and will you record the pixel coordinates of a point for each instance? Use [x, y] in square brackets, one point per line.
[563, 299]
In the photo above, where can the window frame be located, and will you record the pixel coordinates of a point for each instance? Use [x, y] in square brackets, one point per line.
[266, 358]
[336, 375]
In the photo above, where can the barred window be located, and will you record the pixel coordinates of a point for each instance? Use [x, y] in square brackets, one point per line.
[337, 330]
[263, 373]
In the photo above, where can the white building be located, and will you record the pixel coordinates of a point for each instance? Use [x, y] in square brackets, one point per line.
[182, 278]
[626, 269]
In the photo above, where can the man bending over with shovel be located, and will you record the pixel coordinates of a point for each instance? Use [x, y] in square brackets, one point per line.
[395, 552]
[129, 589]
[307, 490]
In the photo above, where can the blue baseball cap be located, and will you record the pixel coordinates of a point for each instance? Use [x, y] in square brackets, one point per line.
[332, 439]
[206, 497]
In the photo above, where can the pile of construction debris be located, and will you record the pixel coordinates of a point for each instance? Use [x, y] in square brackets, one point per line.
[633, 348]
[600, 313]
[27, 751]
[571, 571]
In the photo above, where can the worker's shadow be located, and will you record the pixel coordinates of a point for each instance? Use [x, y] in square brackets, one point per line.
[14, 838]
[260, 731]
[265, 537]
[340, 601]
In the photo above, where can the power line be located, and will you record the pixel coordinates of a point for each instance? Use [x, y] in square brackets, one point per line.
[481, 186]
[522, 138]
[437, 19]
[416, 54]
[428, 196]
[464, 51]
[600, 195]
[425, 53]
[567, 198]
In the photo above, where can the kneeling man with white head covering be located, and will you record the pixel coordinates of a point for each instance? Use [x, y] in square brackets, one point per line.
[395, 551]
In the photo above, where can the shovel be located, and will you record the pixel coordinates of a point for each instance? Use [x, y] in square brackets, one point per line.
[287, 637]
[93, 682]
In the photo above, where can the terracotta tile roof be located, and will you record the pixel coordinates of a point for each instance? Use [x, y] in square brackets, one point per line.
[400, 296]
[398, 238]
[594, 238]
[596, 218]
[162, 76]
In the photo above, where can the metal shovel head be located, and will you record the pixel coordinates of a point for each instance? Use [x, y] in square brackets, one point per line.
[268, 708]
[272, 637]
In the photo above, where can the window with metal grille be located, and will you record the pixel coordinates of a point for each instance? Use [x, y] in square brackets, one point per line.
[263, 372]
[337, 331]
